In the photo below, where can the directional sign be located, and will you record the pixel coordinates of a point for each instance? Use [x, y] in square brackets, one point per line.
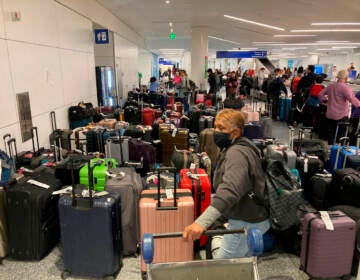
[241, 54]
[101, 36]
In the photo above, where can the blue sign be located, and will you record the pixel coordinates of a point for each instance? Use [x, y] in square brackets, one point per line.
[290, 63]
[101, 36]
[164, 62]
[155, 65]
[241, 54]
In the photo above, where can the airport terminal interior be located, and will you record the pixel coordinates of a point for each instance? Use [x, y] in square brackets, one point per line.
[91, 78]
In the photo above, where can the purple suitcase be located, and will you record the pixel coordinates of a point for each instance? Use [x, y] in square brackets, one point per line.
[253, 130]
[326, 253]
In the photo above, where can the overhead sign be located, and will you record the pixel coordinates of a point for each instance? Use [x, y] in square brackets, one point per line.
[241, 54]
[101, 36]
[164, 62]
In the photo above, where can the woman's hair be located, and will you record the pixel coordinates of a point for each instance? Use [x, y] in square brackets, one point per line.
[152, 79]
[342, 74]
[234, 117]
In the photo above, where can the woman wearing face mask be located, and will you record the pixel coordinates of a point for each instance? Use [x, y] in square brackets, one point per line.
[239, 183]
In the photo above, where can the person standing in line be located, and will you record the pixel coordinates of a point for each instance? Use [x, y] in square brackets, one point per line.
[338, 95]
[239, 182]
[231, 85]
[276, 88]
[212, 81]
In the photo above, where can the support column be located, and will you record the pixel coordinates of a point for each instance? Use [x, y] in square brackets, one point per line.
[199, 55]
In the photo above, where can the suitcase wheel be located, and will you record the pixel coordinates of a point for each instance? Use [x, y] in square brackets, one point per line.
[65, 274]
[255, 241]
[147, 248]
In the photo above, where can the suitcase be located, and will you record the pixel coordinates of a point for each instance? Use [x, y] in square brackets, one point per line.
[144, 152]
[95, 140]
[319, 190]
[266, 123]
[199, 184]
[253, 130]
[135, 131]
[63, 134]
[171, 138]
[3, 226]
[118, 148]
[32, 216]
[100, 169]
[148, 116]
[200, 98]
[132, 115]
[64, 168]
[91, 237]
[345, 188]
[353, 160]
[109, 123]
[128, 185]
[78, 139]
[327, 253]
[167, 215]
[285, 105]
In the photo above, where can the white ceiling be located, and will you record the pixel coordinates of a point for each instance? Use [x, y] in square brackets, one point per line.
[150, 18]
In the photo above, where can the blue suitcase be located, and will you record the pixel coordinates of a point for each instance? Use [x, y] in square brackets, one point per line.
[91, 234]
[285, 105]
[344, 152]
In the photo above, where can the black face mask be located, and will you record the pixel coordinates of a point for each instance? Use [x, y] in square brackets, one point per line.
[222, 140]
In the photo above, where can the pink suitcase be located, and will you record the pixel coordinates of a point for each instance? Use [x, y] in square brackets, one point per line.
[327, 253]
[200, 98]
[161, 217]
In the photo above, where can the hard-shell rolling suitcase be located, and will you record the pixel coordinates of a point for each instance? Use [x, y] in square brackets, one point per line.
[148, 116]
[170, 139]
[198, 181]
[127, 183]
[159, 213]
[91, 235]
[32, 216]
[143, 152]
[3, 226]
[118, 148]
[285, 105]
[327, 253]
[353, 160]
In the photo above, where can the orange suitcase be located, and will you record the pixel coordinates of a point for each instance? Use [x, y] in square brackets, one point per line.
[167, 215]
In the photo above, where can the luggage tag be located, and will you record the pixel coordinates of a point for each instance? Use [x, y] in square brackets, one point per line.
[169, 194]
[326, 219]
[306, 165]
[37, 183]
[66, 190]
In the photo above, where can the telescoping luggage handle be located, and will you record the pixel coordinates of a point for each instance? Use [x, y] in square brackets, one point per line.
[5, 137]
[356, 149]
[343, 140]
[159, 207]
[12, 143]
[34, 129]
[346, 124]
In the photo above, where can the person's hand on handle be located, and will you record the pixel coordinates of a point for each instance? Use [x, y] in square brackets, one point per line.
[193, 232]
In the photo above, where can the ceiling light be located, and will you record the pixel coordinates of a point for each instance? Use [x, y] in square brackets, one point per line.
[313, 53]
[248, 49]
[167, 2]
[333, 41]
[300, 35]
[335, 23]
[311, 44]
[325, 30]
[295, 48]
[171, 30]
[254, 22]
[268, 42]
[325, 49]
[344, 47]
[220, 39]
[170, 24]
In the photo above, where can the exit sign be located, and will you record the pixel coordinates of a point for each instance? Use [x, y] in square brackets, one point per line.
[172, 36]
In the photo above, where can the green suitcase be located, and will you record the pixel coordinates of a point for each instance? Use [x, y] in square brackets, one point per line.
[99, 172]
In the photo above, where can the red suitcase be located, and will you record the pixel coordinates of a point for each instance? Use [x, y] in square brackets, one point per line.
[148, 115]
[199, 184]
[327, 253]
[159, 214]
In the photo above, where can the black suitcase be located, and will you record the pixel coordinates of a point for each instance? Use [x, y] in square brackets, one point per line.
[345, 188]
[319, 190]
[64, 168]
[91, 235]
[95, 140]
[33, 225]
[132, 115]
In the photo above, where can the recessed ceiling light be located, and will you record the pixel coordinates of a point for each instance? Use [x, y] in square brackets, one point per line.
[325, 49]
[167, 2]
[300, 35]
[335, 23]
[220, 39]
[254, 22]
[325, 30]
[295, 48]
[170, 24]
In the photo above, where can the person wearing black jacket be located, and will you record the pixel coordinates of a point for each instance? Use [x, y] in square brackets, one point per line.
[277, 87]
[303, 88]
[212, 81]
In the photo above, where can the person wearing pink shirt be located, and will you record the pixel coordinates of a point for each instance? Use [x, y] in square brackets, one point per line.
[338, 95]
